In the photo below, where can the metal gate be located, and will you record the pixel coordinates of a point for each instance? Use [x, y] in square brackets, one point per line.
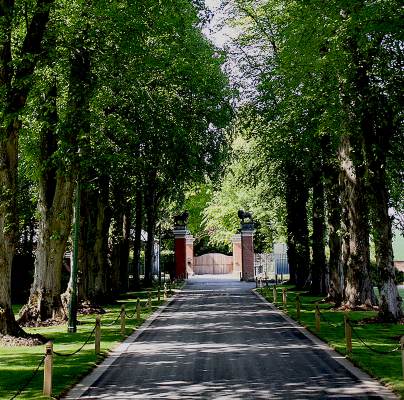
[269, 265]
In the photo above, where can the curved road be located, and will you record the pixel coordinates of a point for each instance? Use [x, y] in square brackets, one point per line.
[219, 340]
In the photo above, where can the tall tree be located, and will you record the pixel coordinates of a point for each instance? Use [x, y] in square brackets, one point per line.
[58, 183]
[17, 63]
[334, 61]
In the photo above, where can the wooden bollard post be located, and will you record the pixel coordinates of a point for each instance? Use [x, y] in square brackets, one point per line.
[317, 315]
[298, 307]
[165, 292]
[97, 335]
[348, 335]
[284, 297]
[274, 293]
[122, 320]
[158, 294]
[138, 309]
[402, 353]
[149, 301]
[47, 370]
[256, 283]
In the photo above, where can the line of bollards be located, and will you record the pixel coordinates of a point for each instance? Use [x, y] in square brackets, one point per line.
[49, 353]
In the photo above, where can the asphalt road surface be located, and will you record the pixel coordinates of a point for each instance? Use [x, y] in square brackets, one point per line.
[217, 340]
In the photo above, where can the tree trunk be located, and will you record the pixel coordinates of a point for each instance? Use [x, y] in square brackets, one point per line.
[150, 208]
[8, 229]
[120, 242]
[93, 269]
[77, 124]
[390, 300]
[56, 209]
[149, 247]
[355, 97]
[377, 143]
[15, 88]
[335, 265]
[115, 255]
[319, 268]
[124, 264]
[298, 235]
[137, 243]
[358, 285]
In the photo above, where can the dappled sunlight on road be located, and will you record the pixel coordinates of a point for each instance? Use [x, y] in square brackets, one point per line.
[230, 390]
[217, 340]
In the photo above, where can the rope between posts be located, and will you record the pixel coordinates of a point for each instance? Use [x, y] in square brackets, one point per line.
[119, 316]
[129, 316]
[115, 321]
[79, 349]
[34, 373]
[29, 380]
[327, 320]
[370, 347]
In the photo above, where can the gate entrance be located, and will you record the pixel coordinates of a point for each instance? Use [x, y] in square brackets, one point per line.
[241, 263]
[212, 264]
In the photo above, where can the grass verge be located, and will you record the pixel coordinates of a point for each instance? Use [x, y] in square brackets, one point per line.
[381, 337]
[17, 364]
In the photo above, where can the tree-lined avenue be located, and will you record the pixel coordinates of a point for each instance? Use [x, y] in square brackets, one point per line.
[219, 340]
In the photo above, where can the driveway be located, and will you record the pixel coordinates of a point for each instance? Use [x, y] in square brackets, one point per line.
[219, 340]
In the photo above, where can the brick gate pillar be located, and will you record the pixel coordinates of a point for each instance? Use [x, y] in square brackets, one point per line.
[180, 249]
[184, 252]
[237, 255]
[189, 254]
[247, 250]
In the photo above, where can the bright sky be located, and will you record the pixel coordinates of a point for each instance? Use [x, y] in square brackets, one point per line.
[218, 35]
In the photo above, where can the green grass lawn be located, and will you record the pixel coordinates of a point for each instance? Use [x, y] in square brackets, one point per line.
[18, 363]
[382, 337]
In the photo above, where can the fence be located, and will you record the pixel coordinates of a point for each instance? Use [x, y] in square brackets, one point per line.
[47, 360]
[350, 328]
[271, 266]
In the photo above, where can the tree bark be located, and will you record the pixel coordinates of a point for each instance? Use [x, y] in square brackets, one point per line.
[53, 231]
[137, 243]
[115, 255]
[298, 234]
[390, 300]
[335, 265]
[124, 264]
[93, 268]
[355, 96]
[319, 268]
[150, 208]
[358, 285]
[149, 247]
[77, 124]
[15, 86]
[8, 229]
[377, 144]
[55, 208]
[120, 243]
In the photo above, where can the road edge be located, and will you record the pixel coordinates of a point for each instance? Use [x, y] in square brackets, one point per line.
[366, 379]
[80, 388]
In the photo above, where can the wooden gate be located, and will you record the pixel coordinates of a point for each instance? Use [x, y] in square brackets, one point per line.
[213, 263]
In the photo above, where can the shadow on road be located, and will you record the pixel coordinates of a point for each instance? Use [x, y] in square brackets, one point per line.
[217, 340]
